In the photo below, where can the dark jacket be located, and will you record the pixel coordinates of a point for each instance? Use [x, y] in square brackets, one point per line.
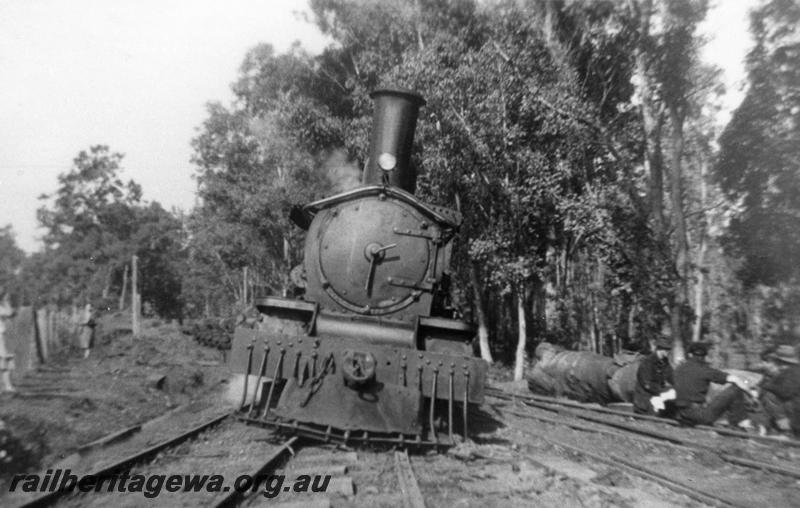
[692, 379]
[652, 378]
[786, 384]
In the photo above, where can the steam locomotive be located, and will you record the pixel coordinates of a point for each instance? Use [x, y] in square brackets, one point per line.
[370, 353]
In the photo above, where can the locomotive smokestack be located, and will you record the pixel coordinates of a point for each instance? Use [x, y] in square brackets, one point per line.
[393, 124]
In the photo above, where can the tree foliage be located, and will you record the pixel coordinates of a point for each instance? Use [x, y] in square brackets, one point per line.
[529, 126]
[575, 138]
[11, 261]
[94, 223]
[759, 159]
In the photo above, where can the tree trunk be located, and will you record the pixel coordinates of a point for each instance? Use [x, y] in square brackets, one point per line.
[418, 25]
[483, 325]
[244, 288]
[678, 215]
[539, 308]
[681, 240]
[594, 330]
[700, 285]
[652, 119]
[632, 322]
[107, 285]
[550, 29]
[519, 357]
[553, 287]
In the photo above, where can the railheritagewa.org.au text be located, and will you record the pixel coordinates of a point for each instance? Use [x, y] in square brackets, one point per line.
[152, 485]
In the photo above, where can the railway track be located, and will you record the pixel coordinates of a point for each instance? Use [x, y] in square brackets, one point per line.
[658, 435]
[129, 461]
[407, 481]
[534, 400]
[264, 470]
[221, 445]
[589, 420]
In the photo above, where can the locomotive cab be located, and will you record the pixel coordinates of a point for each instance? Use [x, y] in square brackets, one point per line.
[371, 348]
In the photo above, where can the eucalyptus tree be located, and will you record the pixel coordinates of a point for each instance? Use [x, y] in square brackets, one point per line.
[758, 169]
[531, 130]
[759, 160]
[95, 221]
[91, 206]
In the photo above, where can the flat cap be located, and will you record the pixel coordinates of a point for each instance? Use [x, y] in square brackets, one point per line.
[699, 348]
[786, 354]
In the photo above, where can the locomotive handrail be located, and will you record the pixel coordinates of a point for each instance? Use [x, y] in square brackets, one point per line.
[454, 221]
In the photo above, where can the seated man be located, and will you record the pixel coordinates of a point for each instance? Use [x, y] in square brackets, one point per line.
[653, 377]
[780, 394]
[692, 379]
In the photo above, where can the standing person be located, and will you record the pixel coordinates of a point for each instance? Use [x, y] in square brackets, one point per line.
[653, 377]
[692, 379]
[88, 325]
[6, 359]
[780, 394]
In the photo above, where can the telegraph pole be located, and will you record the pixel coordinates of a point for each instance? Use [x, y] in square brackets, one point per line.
[135, 295]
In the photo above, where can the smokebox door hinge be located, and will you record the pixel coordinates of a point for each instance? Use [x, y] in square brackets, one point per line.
[404, 283]
[434, 236]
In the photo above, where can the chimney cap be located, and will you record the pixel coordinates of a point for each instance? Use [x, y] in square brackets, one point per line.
[399, 91]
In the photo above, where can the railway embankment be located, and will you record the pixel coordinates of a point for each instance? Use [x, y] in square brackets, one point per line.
[68, 402]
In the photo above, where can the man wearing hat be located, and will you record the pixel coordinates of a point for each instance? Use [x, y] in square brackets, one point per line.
[692, 380]
[653, 378]
[780, 395]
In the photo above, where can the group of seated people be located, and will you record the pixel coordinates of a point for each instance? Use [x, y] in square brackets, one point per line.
[682, 393]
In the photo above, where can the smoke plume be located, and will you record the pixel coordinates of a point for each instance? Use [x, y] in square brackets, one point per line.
[343, 174]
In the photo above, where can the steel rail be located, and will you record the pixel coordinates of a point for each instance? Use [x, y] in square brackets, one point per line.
[125, 463]
[500, 394]
[409, 488]
[644, 472]
[619, 462]
[236, 497]
[659, 436]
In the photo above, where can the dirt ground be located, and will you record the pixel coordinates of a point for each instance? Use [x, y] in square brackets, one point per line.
[71, 401]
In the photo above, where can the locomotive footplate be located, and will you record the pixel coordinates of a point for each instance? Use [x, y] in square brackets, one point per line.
[344, 390]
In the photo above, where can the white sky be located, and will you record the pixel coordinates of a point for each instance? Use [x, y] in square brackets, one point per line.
[136, 75]
[131, 74]
[728, 28]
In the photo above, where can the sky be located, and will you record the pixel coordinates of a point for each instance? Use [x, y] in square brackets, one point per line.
[136, 75]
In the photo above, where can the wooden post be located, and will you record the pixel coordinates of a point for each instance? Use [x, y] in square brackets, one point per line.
[286, 259]
[135, 296]
[74, 324]
[124, 289]
[41, 333]
[244, 288]
[52, 335]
